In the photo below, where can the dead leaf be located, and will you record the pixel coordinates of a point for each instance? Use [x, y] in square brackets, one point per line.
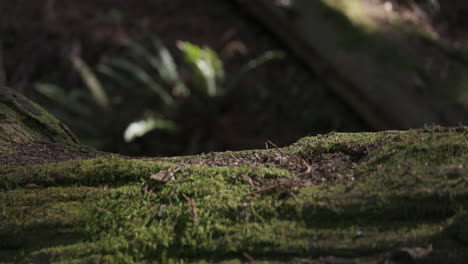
[100, 209]
[31, 186]
[418, 252]
[163, 176]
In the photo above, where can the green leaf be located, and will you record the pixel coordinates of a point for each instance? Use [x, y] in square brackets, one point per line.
[206, 64]
[142, 76]
[91, 81]
[114, 75]
[70, 101]
[142, 127]
[161, 60]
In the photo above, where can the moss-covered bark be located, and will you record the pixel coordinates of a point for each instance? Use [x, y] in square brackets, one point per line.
[21, 120]
[407, 199]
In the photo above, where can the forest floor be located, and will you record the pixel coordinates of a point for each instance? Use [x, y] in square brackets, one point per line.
[355, 198]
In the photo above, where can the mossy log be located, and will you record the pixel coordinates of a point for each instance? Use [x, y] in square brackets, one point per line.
[338, 198]
[22, 120]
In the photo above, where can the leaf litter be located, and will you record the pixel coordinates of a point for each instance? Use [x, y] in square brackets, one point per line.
[320, 168]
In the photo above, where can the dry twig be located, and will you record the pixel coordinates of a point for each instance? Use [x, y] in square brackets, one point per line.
[264, 189]
[193, 208]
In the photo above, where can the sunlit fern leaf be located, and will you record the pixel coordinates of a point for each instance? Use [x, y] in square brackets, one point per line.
[251, 65]
[141, 76]
[207, 66]
[75, 103]
[161, 60]
[142, 127]
[138, 51]
[170, 67]
[91, 81]
[116, 76]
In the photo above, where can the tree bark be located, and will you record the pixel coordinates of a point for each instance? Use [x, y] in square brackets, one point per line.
[22, 120]
[387, 93]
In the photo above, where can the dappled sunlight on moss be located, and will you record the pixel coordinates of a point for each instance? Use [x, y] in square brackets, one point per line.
[355, 11]
[407, 192]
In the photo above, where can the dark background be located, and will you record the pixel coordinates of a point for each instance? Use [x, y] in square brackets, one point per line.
[280, 101]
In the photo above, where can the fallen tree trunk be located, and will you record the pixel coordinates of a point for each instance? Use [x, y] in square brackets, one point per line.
[340, 198]
[385, 84]
[22, 121]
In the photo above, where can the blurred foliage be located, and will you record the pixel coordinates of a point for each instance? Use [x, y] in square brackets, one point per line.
[80, 107]
[91, 81]
[208, 68]
[141, 91]
[169, 100]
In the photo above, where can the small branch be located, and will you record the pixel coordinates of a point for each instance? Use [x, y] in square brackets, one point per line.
[248, 180]
[193, 208]
[294, 157]
[264, 189]
[274, 145]
[248, 257]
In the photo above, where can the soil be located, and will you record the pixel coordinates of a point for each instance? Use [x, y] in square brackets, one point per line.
[322, 168]
[35, 152]
[327, 165]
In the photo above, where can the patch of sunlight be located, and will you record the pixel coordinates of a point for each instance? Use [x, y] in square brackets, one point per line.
[356, 11]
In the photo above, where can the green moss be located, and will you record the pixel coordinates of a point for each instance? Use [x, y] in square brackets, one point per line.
[32, 219]
[411, 191]
[23, 120]
[111, 170]
[334, 142]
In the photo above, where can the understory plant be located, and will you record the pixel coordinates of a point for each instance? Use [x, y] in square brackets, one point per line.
[162, 96]
[201, 87]
[83, 108]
